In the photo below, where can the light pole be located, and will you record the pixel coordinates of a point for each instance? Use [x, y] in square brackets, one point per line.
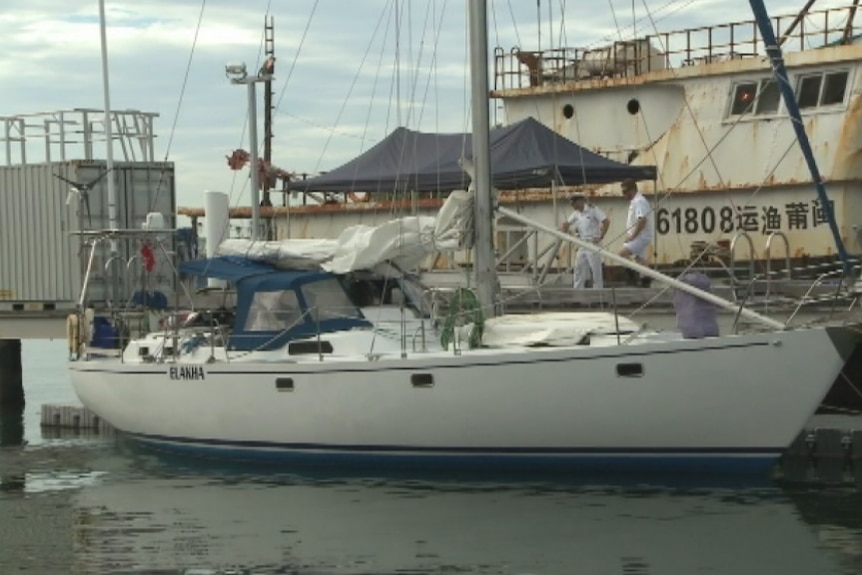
[238, 75]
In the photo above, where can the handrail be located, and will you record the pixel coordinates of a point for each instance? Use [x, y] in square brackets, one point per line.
[505, 257]
[767, 253]
[108, 264]
[421, 331]
[547, 267]
[130, 279]
[643, 270]
[814, 284]
[520, 69]
[732, 250]
[768, 249]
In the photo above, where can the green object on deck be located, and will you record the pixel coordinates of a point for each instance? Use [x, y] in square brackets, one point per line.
[464, 308]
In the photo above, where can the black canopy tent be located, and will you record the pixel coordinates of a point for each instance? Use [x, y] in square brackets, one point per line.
[526, 154]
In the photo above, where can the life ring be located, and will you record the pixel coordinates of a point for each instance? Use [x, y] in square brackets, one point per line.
[73, 335]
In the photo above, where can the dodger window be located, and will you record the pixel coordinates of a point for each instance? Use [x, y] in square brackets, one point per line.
[326, 299]
[273, 311]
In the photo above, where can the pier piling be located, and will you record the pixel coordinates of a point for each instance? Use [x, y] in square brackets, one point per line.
[11, 426]
[11, 373]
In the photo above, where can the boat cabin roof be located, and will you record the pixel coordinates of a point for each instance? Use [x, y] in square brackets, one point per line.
[277, 306]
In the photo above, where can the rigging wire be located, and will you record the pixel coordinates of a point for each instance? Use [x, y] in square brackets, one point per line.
[179, 103]
[353, 85]
[296, 55]
[380, 61]
[563, 39]
[514, 22]
[376, 81]
[433, 77]
[709, 149]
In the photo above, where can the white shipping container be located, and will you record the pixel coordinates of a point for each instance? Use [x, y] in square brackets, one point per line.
[41, 258]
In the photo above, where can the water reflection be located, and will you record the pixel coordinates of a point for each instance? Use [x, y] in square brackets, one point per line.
[170, 520]
[11, 436]
[91, 508]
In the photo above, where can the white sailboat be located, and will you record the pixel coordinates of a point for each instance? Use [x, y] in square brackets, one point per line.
[301, 374]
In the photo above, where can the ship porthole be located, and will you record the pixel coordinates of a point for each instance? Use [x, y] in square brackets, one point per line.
[568, 111]
[633, 106]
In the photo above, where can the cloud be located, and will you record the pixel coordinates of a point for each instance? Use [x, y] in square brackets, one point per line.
[339, 86]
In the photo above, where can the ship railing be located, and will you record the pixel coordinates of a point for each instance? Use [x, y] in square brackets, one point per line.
[517, 69]
[807, 297]
[732, 265]
[540, 261]
[767, 253]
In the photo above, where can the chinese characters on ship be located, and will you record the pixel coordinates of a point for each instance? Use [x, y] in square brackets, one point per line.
[750, 219]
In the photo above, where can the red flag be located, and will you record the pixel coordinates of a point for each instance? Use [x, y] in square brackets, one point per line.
[238, 159]
[149, 257]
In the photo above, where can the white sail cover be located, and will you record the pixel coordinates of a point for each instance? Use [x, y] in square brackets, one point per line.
[548, 328]
[286, 254]
[404, 242]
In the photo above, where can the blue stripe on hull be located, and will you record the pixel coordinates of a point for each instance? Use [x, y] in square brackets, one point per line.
[674, 460]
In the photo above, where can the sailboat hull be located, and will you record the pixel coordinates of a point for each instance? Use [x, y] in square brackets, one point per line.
[728, 402]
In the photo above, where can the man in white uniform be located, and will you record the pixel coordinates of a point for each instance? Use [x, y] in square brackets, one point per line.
[639, 226]
[590, 224]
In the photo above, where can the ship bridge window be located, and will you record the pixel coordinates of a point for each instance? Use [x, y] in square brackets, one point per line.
[825, 89]
[809, 91]
[833, 88]
[743, 98]
[768, 97]
[758, 97]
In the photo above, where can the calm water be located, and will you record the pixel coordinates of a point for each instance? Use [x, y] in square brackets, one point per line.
[89, 505]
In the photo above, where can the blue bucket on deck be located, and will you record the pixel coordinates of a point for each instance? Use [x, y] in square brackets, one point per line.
[105, 335]
[150, 300]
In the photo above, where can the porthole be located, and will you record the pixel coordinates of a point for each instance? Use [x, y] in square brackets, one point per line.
[633, 106]
[568, 111]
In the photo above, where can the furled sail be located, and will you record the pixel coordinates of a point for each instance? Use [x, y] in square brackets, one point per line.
[404, 242]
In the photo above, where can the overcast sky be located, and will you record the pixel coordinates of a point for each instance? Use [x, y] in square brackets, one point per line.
[335, 86]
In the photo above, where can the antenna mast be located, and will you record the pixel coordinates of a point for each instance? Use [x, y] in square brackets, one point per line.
[269, 50]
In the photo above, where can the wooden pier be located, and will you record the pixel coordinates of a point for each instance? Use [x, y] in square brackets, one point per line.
[73, 417]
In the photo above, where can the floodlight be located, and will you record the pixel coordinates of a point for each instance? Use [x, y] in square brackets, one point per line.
[235, 71]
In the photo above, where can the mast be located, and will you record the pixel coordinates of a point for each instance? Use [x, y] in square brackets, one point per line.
[483, 250]
[109, 157]
[773, 50]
